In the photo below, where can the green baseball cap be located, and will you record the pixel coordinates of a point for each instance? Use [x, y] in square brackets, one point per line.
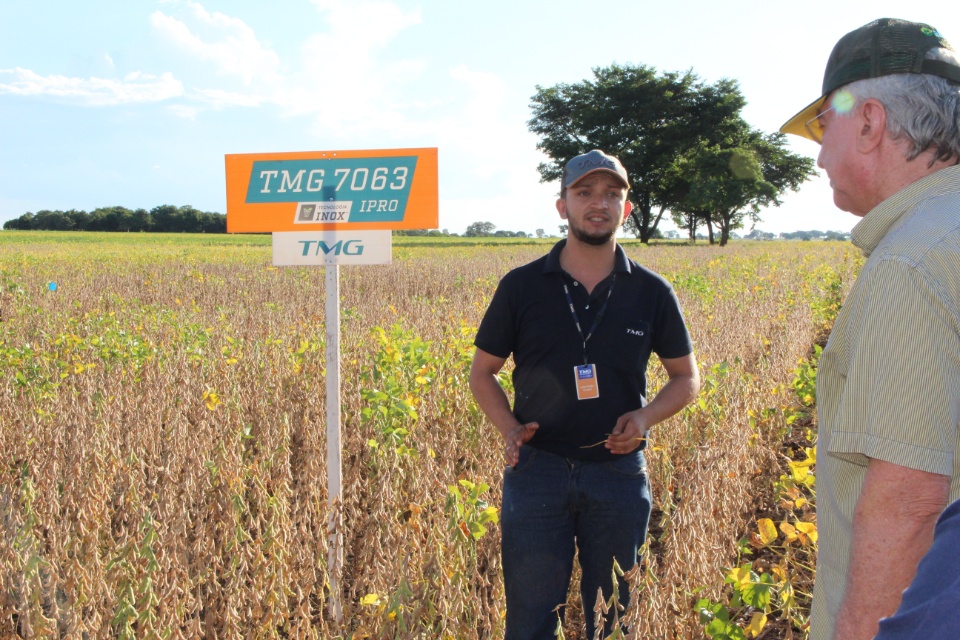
[881, 48]
[583, 165]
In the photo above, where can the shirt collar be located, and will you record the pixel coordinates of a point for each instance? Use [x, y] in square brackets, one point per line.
[868, 233]
[621, 264]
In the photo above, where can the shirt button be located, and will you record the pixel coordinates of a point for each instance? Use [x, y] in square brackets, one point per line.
[576, 284]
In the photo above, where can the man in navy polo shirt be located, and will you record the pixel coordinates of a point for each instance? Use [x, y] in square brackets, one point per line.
[580, 323]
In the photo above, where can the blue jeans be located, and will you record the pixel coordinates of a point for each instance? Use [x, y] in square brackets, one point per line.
[550, 505]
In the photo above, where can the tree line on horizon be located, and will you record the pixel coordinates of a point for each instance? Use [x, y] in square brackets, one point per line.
[688, 151]
[166, 218]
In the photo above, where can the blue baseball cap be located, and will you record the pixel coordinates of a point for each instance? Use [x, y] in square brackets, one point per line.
[585, 164]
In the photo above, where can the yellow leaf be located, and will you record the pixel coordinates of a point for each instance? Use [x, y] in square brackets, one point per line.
[780, 572]
[789, 531]
[800, 471]
[766, 530]
[757, 622]
[211, 399]
[807, 530]
[739, 576]
[370, 600]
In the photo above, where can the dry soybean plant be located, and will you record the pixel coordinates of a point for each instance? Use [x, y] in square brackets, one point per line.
[163, 454]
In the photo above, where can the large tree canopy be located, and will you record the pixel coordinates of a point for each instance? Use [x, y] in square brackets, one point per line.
[665, 128]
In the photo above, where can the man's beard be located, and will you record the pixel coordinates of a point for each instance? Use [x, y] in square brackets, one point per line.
[584, 237]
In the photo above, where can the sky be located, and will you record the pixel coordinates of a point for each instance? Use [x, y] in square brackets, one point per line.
[135, 102]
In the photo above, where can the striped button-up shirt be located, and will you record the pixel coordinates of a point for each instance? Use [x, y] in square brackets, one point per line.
[889, 380]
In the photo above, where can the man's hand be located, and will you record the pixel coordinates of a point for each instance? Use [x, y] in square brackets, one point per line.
[630, 431]
[493, 402]
[514, 439]
[682, 386]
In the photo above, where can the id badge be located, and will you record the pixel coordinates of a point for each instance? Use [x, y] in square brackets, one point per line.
[586, 377]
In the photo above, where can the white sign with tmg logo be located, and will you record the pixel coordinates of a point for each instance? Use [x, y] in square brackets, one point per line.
[295, 248]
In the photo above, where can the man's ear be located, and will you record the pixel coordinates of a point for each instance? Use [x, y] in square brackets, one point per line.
[627, 208]
[562, 208]
[873, 125]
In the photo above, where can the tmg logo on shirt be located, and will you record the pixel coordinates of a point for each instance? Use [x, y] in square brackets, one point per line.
[635, 332]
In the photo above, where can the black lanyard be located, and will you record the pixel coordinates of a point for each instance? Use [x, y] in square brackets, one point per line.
[596, 320]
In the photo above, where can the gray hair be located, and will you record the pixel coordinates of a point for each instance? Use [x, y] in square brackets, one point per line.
[922, 108]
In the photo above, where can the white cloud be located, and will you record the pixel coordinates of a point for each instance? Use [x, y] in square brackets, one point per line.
[346, 80]
[232, 46]
[374, 22]
[479, 126]
[342, 77]
[220, 99]
[350, 83]
[187, 112]
[134, 88]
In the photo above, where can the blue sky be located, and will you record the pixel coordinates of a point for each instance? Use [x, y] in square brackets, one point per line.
[135, 102]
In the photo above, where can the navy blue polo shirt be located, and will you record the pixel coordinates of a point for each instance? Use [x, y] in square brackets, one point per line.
[529, 317]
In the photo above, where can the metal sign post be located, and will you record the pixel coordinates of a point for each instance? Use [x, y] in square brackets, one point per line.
[334, 468]
[329, 208]
[331, 249]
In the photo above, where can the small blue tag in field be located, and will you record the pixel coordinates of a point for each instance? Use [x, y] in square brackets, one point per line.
[52, 286]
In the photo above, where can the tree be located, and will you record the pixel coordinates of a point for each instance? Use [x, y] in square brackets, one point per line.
[23, 223]
[660, 125]
[117, 219]
[191, 220]
[164, 218]
[52, 221]
[647, 120]
[478, 229]
[726, 185]
[80, 219]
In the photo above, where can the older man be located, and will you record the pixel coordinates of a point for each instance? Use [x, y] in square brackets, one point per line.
[888, 391]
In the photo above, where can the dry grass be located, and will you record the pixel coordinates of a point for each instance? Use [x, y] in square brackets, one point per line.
[163, 456]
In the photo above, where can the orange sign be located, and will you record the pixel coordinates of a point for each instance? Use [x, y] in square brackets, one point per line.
[373, 189]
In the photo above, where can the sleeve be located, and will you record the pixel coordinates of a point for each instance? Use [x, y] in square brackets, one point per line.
[497, 332]
[901, 398]
[670, 336]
